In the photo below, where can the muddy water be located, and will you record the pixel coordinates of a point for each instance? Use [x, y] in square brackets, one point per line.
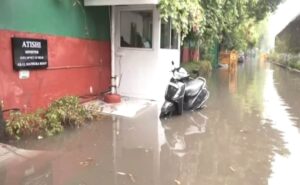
[247, 135]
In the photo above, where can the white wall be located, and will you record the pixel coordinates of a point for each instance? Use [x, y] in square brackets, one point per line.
[145, 72]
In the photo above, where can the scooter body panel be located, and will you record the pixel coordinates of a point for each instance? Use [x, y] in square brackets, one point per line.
[175, 91]
[193, 87]
[174, 99]
[201, 99]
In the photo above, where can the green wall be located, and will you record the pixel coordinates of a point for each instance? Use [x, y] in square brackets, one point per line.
[56, 17]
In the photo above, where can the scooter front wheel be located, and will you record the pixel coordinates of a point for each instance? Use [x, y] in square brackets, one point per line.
[167, 109]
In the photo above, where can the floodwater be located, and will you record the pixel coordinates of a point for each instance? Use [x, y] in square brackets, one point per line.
[247, 135]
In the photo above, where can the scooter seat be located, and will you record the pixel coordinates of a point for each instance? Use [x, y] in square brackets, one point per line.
[193, 87]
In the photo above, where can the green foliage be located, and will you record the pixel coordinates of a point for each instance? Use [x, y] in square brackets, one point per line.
[62, 113]
[94, 112]
[295, 64]
[259, 9]
[196, 68]
[65, 112]
[287, 60]
[186, 15]
[232, 23]
[25, 125]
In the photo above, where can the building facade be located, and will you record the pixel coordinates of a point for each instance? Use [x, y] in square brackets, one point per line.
[78, 51]
[288, 40]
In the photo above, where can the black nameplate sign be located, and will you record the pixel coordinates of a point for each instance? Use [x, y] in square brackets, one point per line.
[29, 53]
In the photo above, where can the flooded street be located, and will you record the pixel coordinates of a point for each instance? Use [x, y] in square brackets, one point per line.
[247, 135]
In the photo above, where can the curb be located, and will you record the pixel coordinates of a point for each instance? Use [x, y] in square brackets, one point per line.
[286, 67]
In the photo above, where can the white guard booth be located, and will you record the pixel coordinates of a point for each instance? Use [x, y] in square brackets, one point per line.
[143, 47]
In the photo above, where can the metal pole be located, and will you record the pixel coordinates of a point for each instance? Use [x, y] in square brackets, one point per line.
[112, 37]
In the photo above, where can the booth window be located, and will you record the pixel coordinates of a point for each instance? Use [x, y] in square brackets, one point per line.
[136, 29]
[169, 36]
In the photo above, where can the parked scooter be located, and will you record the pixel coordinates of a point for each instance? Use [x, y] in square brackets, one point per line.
[184, 93]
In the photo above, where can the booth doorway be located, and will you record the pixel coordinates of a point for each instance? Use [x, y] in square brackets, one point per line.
[142, 60]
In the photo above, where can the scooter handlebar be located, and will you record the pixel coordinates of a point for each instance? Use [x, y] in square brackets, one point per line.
[176, 69]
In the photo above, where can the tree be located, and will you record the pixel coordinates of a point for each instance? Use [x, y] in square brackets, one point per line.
[231, 23]
[186, 15]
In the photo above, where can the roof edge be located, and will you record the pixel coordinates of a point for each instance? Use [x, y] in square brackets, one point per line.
[118, 2]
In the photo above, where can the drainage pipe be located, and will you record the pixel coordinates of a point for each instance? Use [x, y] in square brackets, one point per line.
[112, 38]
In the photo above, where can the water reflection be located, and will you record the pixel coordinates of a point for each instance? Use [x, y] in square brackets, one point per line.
[180, 155]
[137, 148]
[239, 148]
[233, 81]
[186, 127]
[18, 166]
[284, 167]
[81, 156]
[245, 136]
[288, 87]
[147, 151]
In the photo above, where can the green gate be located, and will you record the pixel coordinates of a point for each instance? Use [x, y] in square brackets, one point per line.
[214, 52]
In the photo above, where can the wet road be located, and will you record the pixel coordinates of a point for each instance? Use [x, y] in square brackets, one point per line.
[247, 135]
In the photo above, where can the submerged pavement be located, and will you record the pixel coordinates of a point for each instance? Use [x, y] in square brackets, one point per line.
[247, 135]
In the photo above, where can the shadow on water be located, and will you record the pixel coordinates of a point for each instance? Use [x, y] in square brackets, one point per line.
[229, 142]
